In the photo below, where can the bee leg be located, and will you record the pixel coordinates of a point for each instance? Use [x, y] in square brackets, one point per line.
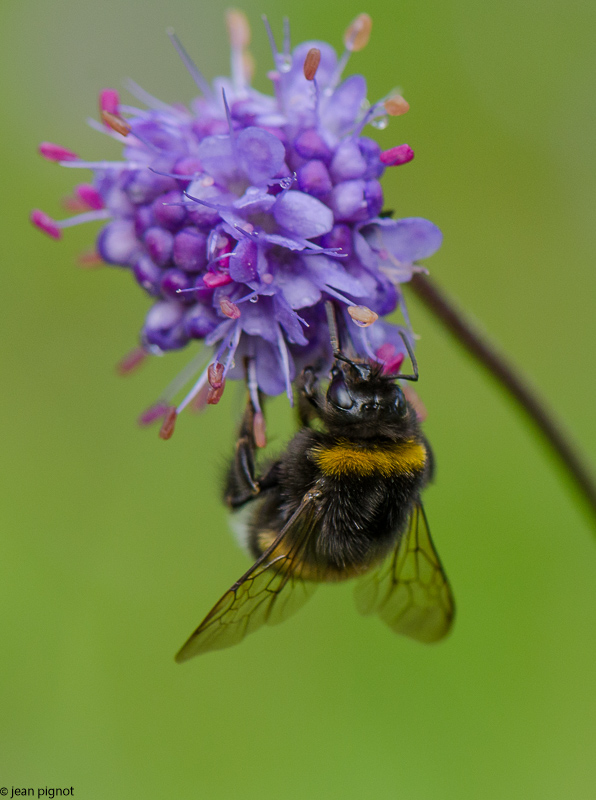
[242, 483]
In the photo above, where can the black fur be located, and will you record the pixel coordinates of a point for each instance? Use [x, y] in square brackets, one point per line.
[360, 518]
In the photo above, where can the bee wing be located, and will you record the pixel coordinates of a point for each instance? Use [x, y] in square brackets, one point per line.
[409, 590]
[270, 592]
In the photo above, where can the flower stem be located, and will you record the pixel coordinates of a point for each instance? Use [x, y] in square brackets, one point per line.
[509, 377]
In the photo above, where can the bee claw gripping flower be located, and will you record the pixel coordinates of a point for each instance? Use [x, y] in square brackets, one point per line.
[241, 215]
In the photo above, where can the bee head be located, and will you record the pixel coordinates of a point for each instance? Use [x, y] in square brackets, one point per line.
[359, 393]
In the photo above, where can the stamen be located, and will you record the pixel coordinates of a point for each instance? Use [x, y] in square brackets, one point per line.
[338, 295]
[229, 118]
[215, 375]
[249, 66]
[214, 395]
[374, 116]
[179, 176]
[89, 195]
[362, 315]
[396, 106]
[238, 28]
[152, 414]
[216, 206]
[169, 423]
[287, 48]
[252, 297]
[199, 384]
[311, 63]
[214, 279]
[116, 123]
[390, 358]
[54, 152]
[228, 308]
[131, 361]
[109, 100]
[258, 425]
[53, 227]
[355, 38]
[239, 33]
[150, 101]
[259, 429]
[90, 216]
[253, 384]
[366, 344]
[90, 260]
[397, 155]
[194, 71]
[200, 401]
[358, 33]
[123, 165]
[271, 38]
[45, 223]
[283, 351]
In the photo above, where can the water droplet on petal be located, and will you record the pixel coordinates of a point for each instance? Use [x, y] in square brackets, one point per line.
[380, 123]
[285, 63]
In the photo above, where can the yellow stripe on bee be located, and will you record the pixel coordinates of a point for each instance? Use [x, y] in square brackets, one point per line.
[346, 458]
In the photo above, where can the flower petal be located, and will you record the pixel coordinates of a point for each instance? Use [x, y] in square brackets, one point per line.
[411, 239]
[261, 155]
[303, 215]
[341, 112]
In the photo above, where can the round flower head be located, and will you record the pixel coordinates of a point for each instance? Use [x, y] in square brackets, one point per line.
[245, 213]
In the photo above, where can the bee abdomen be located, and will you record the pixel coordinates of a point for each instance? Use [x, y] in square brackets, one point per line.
[346, 458]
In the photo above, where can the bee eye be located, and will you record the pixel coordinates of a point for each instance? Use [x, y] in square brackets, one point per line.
[400, 402]
[338, 394]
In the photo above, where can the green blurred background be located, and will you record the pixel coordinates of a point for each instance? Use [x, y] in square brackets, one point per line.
[114, 543]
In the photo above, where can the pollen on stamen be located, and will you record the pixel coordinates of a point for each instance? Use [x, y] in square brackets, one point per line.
[238, 28]
[214, 395]
[358, 33]
[131, 361]
[311, 63]
[215, 375]
[116, 123]
[362, 315]
[85, 198]
[258, 429]
[45, 223]
[55, 152]
[389, 358]
[396, 106]
[109, 100]
[228, 308]
[89, 195]
[90, 259]
[249, 66]
[214, 279]
[397, 155]
[169, 423]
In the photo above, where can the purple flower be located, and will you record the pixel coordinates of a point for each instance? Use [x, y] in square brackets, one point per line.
[242, 215]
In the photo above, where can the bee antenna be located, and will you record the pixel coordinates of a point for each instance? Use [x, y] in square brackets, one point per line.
[334, 335]
[332, 325]
[414, 376]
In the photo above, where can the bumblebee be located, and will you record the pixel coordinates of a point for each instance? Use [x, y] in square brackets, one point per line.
[343, 501]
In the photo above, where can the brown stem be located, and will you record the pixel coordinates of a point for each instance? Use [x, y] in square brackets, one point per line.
[461, 328]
